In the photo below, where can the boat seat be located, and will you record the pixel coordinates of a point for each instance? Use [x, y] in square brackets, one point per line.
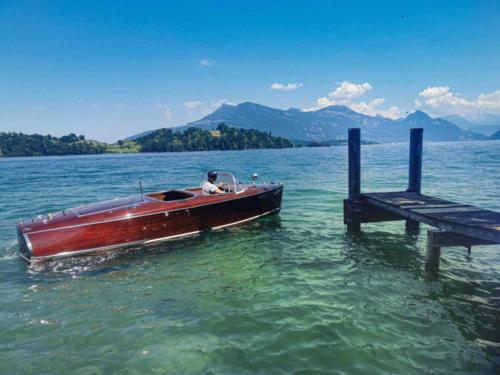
[172, 195]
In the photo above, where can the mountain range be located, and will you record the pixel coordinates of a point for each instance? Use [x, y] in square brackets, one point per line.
[495, 136]
[486, 127]
[329, 124]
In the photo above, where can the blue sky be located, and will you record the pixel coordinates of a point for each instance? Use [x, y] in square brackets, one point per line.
[112, 69]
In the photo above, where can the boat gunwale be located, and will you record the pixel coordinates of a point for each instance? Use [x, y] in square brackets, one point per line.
[165, 212]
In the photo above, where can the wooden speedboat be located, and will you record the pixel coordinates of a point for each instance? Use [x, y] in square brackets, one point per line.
[145, 219]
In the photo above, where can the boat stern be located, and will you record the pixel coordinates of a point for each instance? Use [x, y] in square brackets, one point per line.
[24, 243]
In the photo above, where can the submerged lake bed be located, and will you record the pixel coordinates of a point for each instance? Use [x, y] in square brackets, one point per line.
[284, 294]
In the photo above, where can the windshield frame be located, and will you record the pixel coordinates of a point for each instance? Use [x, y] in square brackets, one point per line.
[226, 178]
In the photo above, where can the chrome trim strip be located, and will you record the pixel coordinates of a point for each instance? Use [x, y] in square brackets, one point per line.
[172, 237]
[149, 214]
[24, 258]
[141, 242]
[28, 243]
[245, 220]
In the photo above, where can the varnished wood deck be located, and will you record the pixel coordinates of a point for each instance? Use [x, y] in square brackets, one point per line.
[440, 213]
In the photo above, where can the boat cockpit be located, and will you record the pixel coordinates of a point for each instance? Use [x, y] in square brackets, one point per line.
[172, 195]
[226, 182]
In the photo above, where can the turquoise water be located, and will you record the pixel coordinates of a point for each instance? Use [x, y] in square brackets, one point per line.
[287, 294]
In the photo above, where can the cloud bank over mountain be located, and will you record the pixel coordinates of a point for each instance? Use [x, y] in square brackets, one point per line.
[345, 93]
[437, 100]
[441, 100]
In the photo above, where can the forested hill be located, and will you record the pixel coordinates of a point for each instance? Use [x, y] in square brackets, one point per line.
[162, 140]
[20, 144]
[222, 138]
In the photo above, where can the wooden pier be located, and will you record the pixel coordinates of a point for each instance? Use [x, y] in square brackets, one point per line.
[455, 224]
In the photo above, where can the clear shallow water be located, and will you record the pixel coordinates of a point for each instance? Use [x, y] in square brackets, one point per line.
[287, 294]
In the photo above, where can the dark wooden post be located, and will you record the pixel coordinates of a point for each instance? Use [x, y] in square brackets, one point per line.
[415, 173]
[412, 227]
[433, 251]
[354, 146]
[415, 165]
[354, 163]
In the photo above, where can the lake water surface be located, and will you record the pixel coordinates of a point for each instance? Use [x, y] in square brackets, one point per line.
[292, 293]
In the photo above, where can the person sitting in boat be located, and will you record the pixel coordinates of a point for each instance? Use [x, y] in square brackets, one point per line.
[209, 186]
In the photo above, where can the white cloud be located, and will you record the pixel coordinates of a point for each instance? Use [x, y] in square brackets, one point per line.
[489, 101]
[343, 95]
[192, 105]
[367, 107]
[434, 91]
[286, 87]
[206, 62]
[350, 90]
[440, 100]
[371, 109]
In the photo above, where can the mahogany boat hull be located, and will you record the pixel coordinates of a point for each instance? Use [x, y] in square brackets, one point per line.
[114, 229]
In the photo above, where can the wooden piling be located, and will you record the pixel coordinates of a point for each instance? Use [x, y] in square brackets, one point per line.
[354, 150]
[433, 251]
[415, 165]
[412, 227]
[437, 239]
[415, 172]
[354, 163]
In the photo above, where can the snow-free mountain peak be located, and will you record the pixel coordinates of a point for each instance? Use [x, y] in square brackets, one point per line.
[330, 123]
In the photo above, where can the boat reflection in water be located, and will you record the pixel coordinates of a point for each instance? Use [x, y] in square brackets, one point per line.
[144, 219]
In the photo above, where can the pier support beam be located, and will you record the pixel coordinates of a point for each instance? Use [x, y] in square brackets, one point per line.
[354, 149]
[412, 227]
[361, 211]
[433, 251]
[436, 239]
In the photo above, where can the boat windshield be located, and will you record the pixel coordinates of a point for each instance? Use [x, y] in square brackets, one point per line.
[226, 181]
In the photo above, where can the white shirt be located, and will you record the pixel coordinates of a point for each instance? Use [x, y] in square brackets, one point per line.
[208, 188]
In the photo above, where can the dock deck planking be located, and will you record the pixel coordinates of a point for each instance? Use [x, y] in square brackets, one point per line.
[440, 213]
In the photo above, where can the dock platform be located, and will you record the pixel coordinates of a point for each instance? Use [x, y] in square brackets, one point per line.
[455, 224]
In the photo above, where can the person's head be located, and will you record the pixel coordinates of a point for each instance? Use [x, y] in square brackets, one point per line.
[212, 176]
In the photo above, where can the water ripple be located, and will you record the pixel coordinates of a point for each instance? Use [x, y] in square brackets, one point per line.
[284, 295]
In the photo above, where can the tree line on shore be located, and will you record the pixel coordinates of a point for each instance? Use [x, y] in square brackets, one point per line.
[162, 140]
[223, 138]
[20, 144]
